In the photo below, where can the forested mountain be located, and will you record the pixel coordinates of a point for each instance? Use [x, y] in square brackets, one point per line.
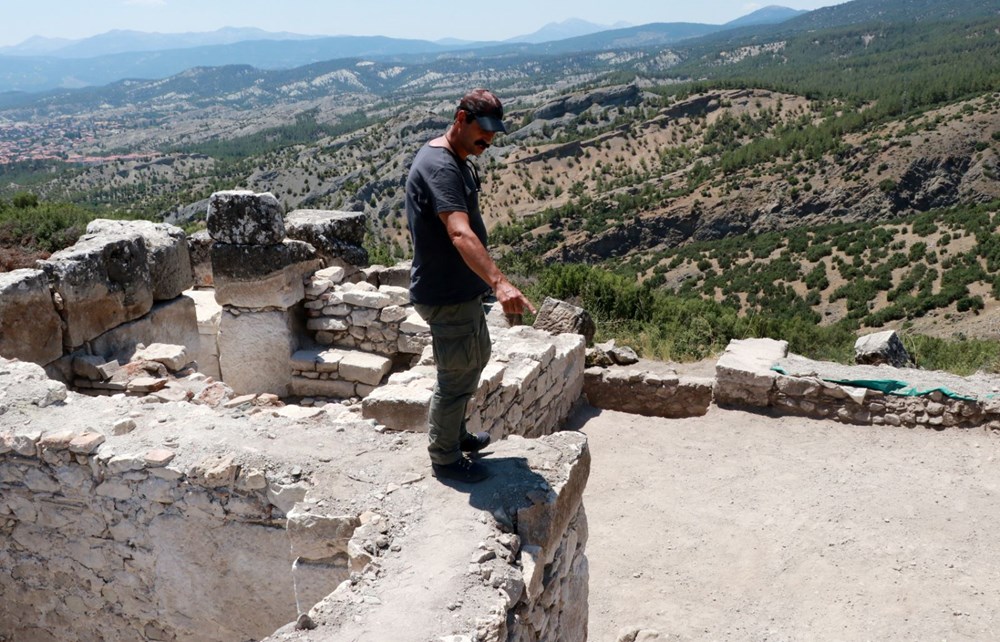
[805, 180]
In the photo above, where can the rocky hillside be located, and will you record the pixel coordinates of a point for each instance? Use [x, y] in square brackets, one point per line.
[874, 111]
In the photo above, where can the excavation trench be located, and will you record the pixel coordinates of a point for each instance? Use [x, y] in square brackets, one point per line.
[138, 552]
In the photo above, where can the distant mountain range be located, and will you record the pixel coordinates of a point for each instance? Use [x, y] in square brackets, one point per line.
[123, 41]
[41, 64]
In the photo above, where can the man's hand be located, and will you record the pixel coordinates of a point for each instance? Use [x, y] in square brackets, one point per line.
[510, 298]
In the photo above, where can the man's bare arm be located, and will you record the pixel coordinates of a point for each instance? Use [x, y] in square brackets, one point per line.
[478, 259]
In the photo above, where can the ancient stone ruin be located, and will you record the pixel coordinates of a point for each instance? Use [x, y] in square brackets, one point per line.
[216, 463]
[220, 437]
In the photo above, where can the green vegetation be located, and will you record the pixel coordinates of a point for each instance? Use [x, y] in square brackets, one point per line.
[31, 229]
[742, 287]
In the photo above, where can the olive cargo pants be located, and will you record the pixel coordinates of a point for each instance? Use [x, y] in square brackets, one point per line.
[461, 343]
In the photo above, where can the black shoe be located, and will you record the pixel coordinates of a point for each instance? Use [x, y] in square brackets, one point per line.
[463, 470]
[474, 442]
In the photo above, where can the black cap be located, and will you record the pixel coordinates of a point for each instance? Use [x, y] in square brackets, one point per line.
[482, 105]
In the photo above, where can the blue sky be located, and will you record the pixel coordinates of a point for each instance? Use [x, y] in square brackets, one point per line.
[424, 19]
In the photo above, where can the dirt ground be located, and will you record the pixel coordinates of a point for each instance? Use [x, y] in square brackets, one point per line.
[741, 526]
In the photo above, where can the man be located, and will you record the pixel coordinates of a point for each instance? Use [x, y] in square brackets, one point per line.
[451, 273]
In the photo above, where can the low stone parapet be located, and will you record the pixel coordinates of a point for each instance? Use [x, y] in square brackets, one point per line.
[761, 373]
[527, 389]
[651, 394]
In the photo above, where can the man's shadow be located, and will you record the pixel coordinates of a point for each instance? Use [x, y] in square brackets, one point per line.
[511, 486]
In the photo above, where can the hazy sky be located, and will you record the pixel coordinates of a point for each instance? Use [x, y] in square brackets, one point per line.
[423, 19]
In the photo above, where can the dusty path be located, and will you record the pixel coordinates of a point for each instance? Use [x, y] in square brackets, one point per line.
[738, 526]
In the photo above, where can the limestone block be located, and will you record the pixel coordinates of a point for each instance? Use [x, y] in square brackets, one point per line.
[174, 357]
[362, 367]
[882, 347]
[316, 286]
[798, 386]
[559, 317]
[334, 274]
[527, 343]
[285, 496]
[200, 253]
[29, 385]
[608, 353]
[125, 463]
[339, 310]
[315, 536]
[414, 325]
[216, 471]
[241, 217]
[208, 311]
[334, 234]
[398, 295]
[335, 388]
[412, 344]
[173, 322]
[317, 360]
[393, 314]
[304, 360]
[743, 374]
[166, 251]
[640, 393]
[365, 299]
[521, 374]
[254, 351]
[208, 314]
[30, 327]
[326, 324]
[399, 407]
[102, 281]
[363, 317]
[533, 568]
[396, 275]
[261, 276]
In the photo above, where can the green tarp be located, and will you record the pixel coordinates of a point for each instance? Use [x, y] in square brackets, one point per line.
[889, 386]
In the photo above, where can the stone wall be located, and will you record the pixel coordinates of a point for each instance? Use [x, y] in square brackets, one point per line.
[761, 373]
[361, 315]
[106, 536]
[636, 391]
[128, 520]
[528, 388]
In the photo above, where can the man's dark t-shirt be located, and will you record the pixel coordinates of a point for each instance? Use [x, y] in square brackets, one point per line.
[439, 182]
